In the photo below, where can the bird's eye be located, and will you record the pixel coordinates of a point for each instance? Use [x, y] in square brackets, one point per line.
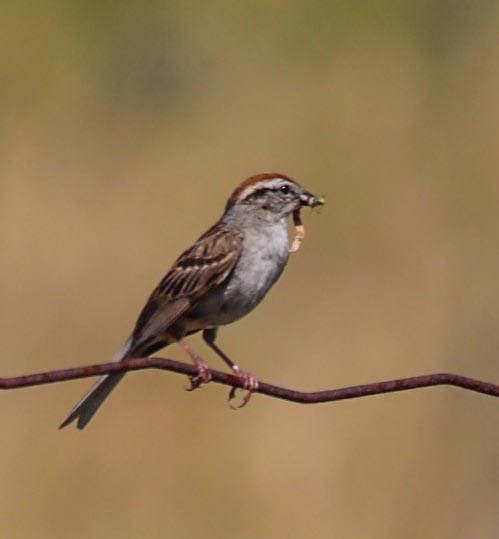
[285, 189]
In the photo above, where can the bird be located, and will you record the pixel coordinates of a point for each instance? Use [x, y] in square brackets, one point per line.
[219, 279]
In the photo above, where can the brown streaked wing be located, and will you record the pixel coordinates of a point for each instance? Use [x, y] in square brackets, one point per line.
[155, 319]
[200, 268]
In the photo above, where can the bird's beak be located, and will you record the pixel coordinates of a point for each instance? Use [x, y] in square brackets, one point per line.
[308, 199]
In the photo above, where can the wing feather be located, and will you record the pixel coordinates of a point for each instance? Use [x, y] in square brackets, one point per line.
[199, 269]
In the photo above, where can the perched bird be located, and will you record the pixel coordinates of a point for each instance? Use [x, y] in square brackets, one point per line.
[216, 281]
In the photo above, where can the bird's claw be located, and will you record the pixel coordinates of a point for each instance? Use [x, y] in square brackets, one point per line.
[195, 382]
[202, 377]
[250, 384]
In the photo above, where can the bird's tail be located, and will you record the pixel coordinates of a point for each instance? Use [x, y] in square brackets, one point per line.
[85, 408]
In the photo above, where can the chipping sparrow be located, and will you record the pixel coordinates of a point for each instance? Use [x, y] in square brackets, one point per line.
[218, 280]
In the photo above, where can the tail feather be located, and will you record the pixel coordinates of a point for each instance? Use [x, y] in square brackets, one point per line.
[85, 408]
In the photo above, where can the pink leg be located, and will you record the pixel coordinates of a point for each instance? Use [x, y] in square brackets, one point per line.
[204, 373]
[250, 383]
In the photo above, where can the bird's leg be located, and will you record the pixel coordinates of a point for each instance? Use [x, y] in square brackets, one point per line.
[204, 373]
[250, 383]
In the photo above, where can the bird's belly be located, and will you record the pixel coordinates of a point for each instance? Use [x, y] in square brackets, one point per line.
[239, 294]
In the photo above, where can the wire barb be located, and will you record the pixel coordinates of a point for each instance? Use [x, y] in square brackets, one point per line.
[229, 379]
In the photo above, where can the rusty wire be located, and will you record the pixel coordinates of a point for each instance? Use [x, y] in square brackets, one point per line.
[328, 395]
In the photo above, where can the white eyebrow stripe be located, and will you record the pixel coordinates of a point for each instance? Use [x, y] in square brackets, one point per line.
[265, 184]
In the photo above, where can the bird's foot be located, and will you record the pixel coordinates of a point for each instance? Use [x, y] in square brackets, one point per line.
[202, 377]
[204, 373]
[249, 383]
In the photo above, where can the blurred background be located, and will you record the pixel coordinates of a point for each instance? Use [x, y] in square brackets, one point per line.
[124, 127]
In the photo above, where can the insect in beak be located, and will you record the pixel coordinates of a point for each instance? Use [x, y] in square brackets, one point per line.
[307, 199]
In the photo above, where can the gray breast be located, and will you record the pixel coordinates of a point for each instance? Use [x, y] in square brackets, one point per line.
[263, 257]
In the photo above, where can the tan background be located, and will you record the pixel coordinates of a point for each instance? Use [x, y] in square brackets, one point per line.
[123, 129]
